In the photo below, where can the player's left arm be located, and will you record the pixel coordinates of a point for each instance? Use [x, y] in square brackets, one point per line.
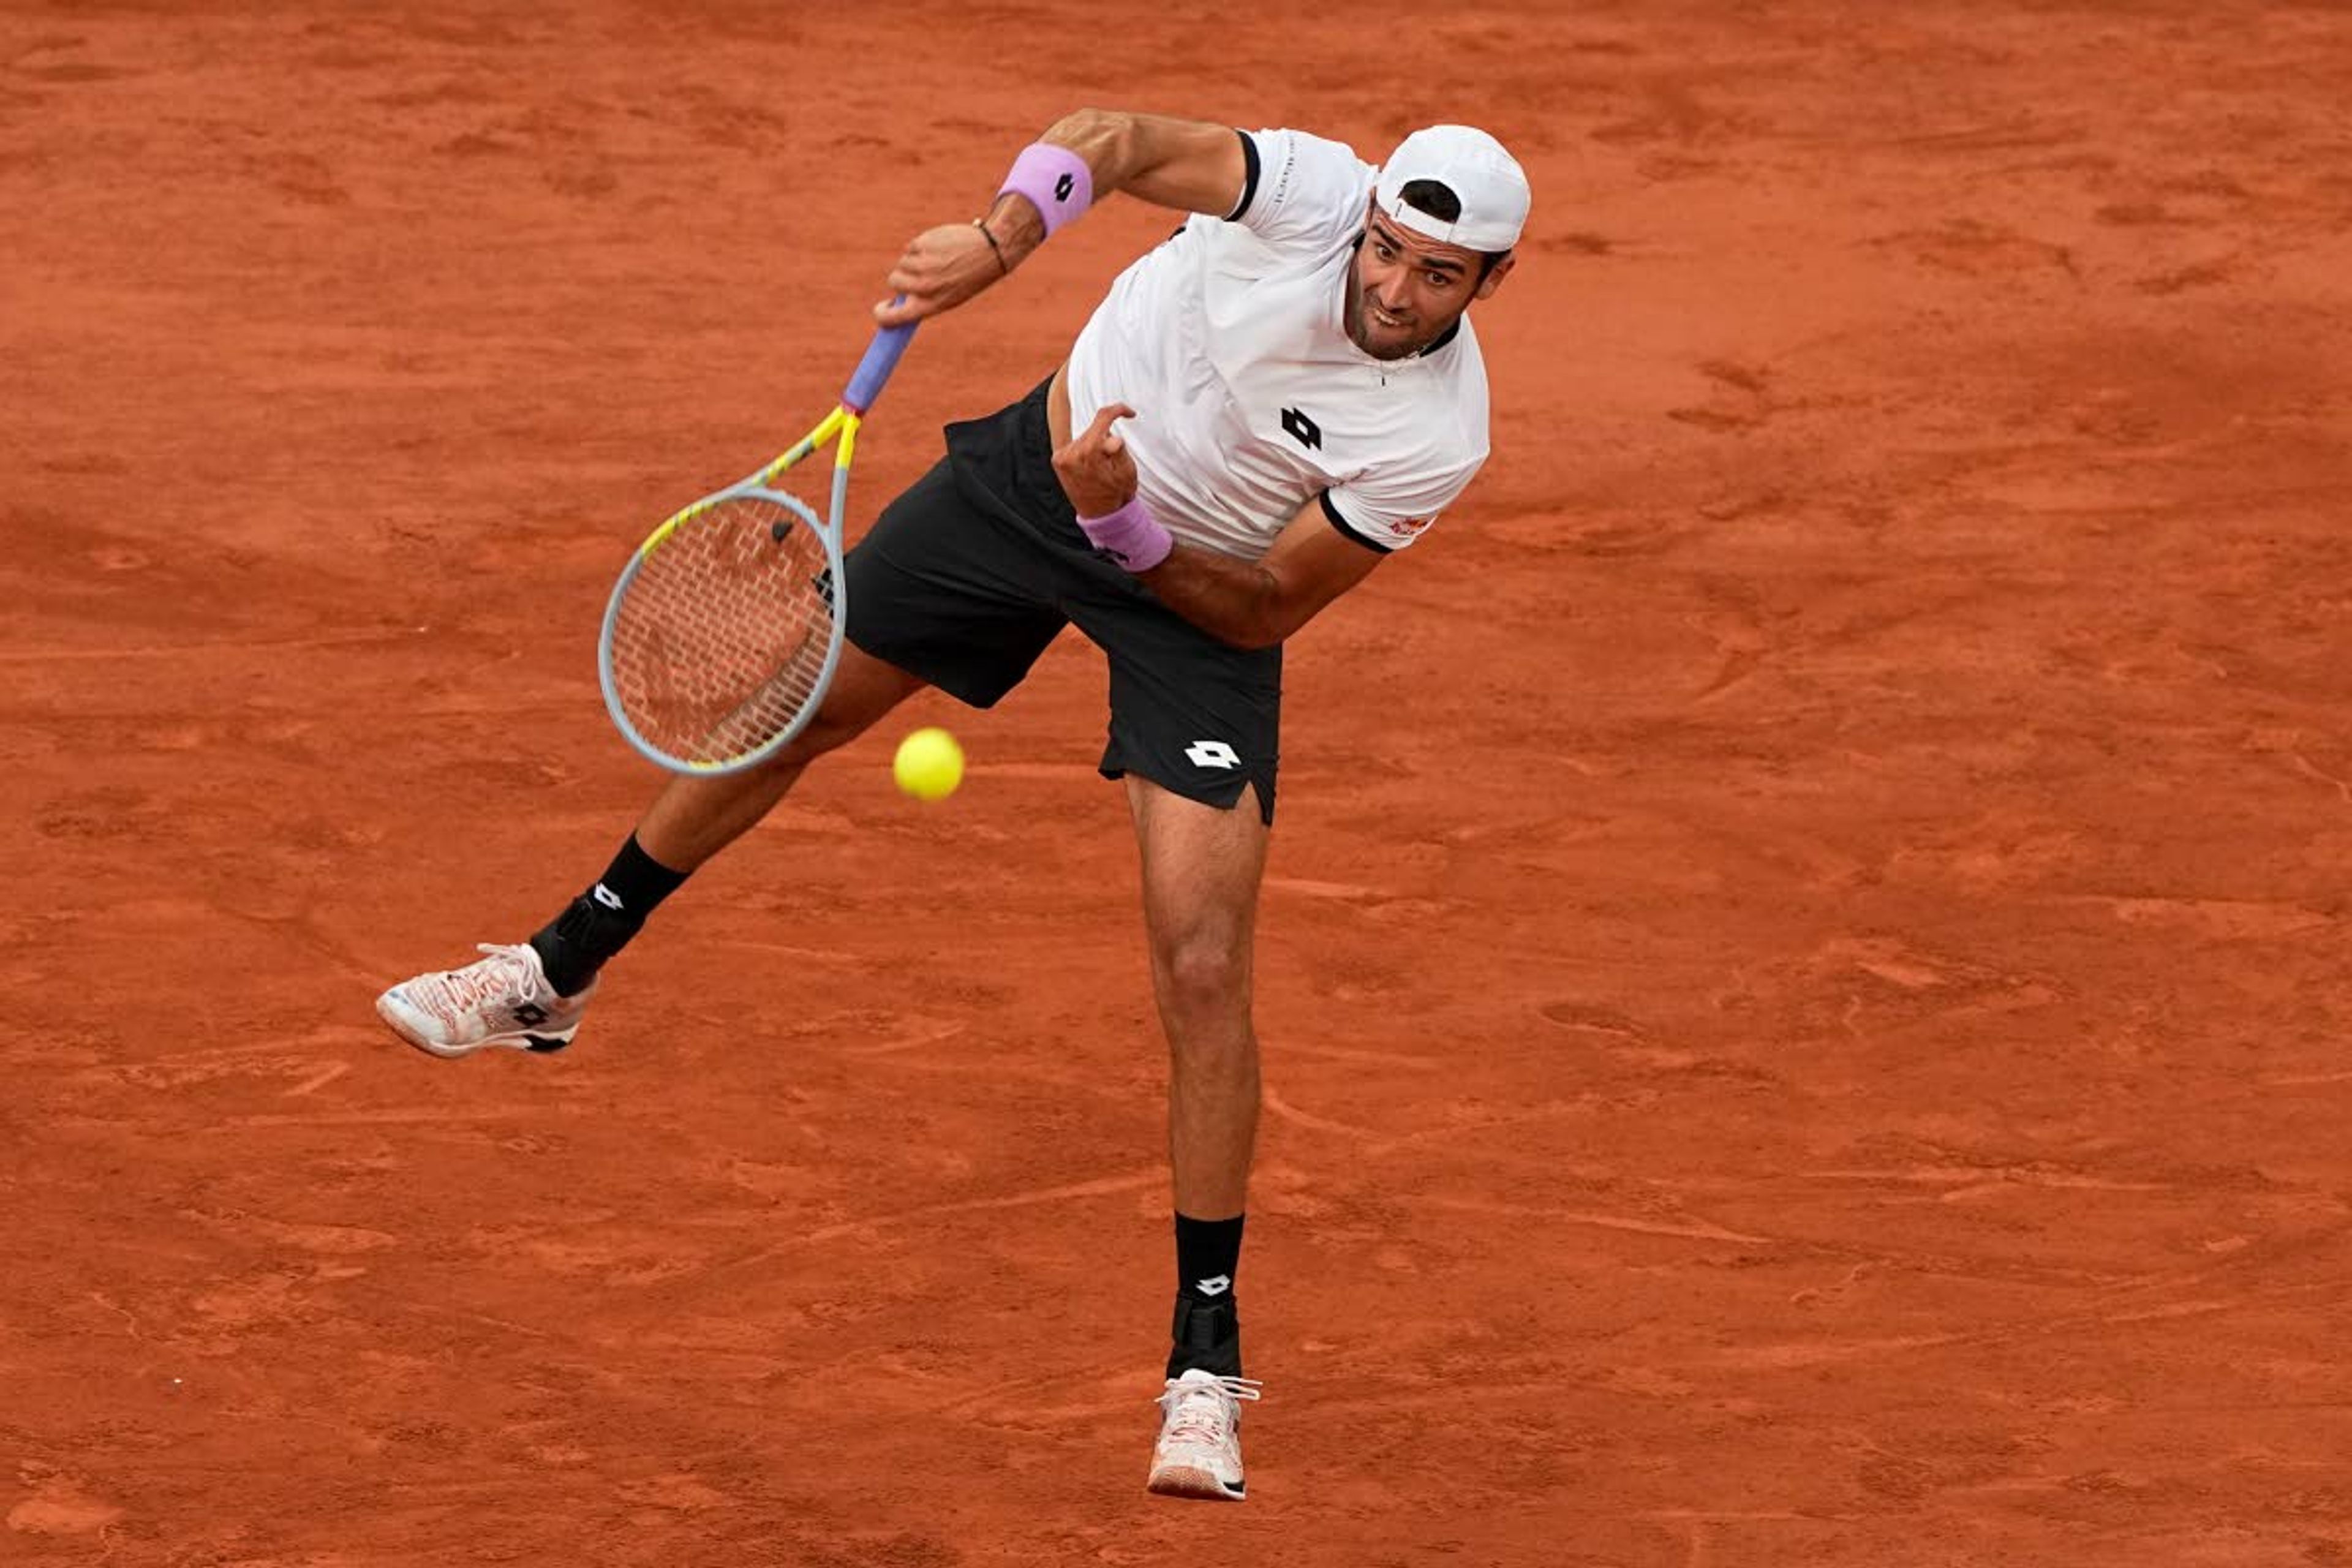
[1257, 603]
[1248, 603]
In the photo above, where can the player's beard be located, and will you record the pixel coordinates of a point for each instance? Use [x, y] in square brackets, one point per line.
[1378, 338]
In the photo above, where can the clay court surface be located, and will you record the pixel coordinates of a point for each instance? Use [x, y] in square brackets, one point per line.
[1804, 968]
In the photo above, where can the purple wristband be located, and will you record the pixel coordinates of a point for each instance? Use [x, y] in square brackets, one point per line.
[1131, 536]
[1056, 181]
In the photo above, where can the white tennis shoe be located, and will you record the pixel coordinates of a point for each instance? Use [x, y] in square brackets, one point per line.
[1199, 1454]
[502, 999]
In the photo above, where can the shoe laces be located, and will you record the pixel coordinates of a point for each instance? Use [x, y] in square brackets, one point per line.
[509, 973]
[1204, 1412]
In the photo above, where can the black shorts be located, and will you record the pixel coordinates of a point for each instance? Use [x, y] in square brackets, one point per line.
[966, 577]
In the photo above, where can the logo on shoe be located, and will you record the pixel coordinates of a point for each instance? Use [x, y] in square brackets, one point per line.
[531, 1014]
[1212, 755]
[606, 896]
[1215, 1285]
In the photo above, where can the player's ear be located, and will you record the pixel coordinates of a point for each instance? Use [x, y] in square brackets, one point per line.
[1495, 276]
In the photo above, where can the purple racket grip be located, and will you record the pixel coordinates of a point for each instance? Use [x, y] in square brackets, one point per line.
[881, 358]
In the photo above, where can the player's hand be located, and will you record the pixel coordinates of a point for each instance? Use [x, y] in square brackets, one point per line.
[1096, 472]
[940, 269]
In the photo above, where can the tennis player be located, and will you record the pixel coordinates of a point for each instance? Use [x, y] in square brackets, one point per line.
[1262, 408]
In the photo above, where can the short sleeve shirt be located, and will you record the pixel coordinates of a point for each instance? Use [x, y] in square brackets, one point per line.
[1230, 341]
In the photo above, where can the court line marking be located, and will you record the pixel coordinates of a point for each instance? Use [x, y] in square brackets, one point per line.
[1104, 1186]
[1696, 1230]
[319, 1080]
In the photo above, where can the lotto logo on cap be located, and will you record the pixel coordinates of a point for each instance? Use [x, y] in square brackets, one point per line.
[1487, 180]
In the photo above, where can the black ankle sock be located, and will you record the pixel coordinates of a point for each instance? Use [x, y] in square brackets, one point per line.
[1207, 1332]
[599, 923]
[1207, 1253]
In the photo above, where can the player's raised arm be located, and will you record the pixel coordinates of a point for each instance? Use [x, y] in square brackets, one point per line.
[1191, 165]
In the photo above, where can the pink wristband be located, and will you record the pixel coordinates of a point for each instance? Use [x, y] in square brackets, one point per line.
[1131, 536]
[1056, 181]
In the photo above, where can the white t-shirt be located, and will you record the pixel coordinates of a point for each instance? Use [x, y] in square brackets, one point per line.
[1229, 340]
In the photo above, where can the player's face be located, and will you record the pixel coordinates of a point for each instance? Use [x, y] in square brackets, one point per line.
[1405, 289]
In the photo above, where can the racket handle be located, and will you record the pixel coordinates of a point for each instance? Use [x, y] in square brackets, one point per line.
[881, 358]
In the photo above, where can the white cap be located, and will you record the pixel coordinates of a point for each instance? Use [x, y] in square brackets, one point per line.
[1491, 185]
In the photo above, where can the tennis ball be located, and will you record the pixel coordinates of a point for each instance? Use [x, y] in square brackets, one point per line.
[929, 764]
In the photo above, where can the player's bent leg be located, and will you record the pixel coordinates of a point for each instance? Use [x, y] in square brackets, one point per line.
[513, 997]
[693, 818]
[1201, 868]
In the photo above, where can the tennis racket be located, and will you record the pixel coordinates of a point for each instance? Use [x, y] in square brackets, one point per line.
[725, 627]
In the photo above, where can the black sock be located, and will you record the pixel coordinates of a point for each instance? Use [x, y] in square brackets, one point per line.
[1207, 1253]
[1207, 1331]
[599, 923]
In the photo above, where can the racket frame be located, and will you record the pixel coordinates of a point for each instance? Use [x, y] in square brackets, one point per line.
[864, 385]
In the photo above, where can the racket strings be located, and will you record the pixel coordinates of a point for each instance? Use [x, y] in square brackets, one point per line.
[721, 638]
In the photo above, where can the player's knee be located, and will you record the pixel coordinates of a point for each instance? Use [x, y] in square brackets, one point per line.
[1204, 970]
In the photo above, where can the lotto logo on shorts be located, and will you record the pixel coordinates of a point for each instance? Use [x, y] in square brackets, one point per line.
[1212, 755]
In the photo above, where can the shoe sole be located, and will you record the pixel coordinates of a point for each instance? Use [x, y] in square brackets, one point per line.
[1192, 1481]
[540, 1045]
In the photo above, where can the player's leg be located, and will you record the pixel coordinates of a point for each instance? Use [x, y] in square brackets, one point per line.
[1201, 871]
[1201, 868]
[936, 595]
[691, 819]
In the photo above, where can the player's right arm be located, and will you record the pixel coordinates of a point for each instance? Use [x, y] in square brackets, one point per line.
[1190, 165]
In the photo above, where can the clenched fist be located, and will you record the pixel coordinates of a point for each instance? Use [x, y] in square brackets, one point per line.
[940, 269]
[1096, 472]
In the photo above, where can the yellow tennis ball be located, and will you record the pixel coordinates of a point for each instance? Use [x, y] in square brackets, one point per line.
[929, 764]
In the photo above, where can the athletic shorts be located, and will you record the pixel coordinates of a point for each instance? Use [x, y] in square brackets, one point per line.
[966, 577]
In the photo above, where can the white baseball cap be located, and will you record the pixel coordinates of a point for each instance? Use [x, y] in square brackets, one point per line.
[1489, 183]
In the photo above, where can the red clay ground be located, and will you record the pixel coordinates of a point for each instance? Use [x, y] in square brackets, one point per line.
[1803, 974]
